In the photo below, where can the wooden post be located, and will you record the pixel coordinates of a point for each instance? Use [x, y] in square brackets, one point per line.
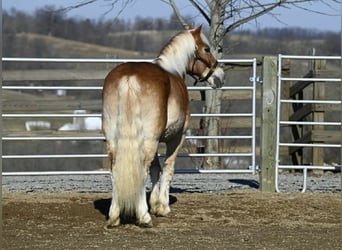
[269, 124]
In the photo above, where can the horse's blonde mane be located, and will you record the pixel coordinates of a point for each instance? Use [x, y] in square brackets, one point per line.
[175, 56]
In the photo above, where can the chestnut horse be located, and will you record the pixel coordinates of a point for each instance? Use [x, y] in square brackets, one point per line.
[148, 103]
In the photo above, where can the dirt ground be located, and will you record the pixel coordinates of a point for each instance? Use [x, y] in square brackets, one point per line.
[231, 220]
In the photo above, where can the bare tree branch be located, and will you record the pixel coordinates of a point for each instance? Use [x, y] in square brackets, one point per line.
[111, 4]
[66, 9]
[236, 12]
[315, 11]
[178, 14]
[248, 10]
[201, 10]
[114, 2]
[253, 16]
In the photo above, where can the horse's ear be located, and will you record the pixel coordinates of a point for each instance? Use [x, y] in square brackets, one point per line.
[199, 29]
[197, 32]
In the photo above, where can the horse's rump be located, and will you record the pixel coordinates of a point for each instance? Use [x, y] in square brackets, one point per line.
[163, 97]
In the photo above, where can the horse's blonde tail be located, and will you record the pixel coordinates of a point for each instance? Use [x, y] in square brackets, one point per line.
[129, 171]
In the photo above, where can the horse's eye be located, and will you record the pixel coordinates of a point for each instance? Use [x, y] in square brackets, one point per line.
[207, 50]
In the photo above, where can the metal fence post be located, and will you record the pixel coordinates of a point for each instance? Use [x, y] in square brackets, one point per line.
[268, 124]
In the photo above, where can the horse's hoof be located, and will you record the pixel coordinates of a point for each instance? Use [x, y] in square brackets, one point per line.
[146, 224]
[163, 214]
[145, 221]
[163, 211]
[111, 225]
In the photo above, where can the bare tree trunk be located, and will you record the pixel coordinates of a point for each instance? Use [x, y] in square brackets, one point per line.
[211, 125]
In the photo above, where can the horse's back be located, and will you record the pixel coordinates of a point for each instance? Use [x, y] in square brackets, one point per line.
[147, 73]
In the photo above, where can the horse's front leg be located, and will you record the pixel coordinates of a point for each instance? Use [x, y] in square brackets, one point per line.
[173, 147]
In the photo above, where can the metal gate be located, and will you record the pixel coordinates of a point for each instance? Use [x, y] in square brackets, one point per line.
[11, 84]
[291, 94]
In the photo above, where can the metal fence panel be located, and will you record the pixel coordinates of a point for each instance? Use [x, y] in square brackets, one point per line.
[282, 100]
[6, 138]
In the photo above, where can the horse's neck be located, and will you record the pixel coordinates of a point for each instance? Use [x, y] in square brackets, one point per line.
[175, 56]
[172, 66]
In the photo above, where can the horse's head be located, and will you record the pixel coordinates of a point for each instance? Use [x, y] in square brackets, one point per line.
[203, 66]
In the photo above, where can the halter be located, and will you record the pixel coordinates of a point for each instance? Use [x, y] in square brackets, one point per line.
[206, 63]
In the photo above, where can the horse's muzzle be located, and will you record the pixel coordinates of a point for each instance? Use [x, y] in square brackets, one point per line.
[216, 80]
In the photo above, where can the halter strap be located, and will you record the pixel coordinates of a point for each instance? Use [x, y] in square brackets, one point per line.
[206, 63]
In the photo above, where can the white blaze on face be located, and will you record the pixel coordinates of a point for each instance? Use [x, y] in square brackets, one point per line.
[216, 80]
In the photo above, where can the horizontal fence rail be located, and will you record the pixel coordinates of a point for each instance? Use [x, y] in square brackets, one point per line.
[63, 137]
[281, 121]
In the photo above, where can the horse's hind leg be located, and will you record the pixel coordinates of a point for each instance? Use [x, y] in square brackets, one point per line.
[143, 217]
[114, 211]
[173, 147]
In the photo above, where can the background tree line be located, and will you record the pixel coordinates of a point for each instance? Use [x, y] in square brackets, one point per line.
[141, 34]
